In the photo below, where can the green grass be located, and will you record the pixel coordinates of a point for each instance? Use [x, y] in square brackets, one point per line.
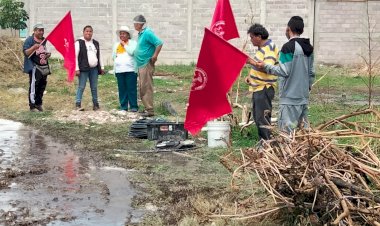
[343, 79]
[180, 71]
[246, 138]
[321, 113]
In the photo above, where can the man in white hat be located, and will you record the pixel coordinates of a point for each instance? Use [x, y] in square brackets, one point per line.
[146, 53]
[124, 67]
[37, 66]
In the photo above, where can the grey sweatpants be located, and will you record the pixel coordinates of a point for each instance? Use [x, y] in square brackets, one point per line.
[292, 116]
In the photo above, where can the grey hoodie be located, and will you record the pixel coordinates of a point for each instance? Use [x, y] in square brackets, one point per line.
[295, 70]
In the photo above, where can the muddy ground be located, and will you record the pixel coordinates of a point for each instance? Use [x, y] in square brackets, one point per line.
[46, 182]
[43, 182]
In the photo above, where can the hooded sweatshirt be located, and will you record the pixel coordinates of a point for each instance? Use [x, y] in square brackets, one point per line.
[296, 71]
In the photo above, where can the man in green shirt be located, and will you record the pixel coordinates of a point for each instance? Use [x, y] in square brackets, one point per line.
[146, 53]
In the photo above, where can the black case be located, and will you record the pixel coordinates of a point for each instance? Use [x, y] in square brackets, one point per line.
[166, 131]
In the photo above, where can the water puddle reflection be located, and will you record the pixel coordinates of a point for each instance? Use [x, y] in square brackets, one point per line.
[44, 182]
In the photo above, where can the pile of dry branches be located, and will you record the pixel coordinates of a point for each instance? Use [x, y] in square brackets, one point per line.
[337, 182]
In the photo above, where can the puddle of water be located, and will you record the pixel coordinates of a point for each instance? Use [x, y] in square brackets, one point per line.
[47, 183]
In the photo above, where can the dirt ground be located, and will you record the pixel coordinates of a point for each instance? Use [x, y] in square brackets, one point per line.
[47, 183]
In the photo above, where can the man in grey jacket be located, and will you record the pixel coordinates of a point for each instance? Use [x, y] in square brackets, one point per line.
[296, 76]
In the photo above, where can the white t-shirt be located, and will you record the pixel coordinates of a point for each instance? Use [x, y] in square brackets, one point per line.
[91, 54]
[124, 62]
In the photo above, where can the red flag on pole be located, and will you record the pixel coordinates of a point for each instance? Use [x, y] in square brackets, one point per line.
[219, 64]
[62, 38]
[223, 22]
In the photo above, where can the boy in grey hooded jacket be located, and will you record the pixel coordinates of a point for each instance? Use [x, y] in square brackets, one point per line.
[296, 76]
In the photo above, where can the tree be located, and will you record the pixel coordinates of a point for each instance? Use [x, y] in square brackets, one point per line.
[13, 15]
[370, 59]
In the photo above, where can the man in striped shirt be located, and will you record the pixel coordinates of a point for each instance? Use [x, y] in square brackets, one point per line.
[261, 83]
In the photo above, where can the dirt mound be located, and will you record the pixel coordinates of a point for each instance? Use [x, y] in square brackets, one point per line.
[98, 117]
[11, 57]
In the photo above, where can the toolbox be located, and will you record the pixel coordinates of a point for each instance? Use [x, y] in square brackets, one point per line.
[166, 131]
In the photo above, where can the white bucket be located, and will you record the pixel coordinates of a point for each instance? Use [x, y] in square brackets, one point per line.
[218, 133]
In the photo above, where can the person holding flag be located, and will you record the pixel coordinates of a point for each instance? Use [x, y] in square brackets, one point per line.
[37, 66]
[262, 84]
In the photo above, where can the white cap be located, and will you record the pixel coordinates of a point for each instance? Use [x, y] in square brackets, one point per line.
[38, 26]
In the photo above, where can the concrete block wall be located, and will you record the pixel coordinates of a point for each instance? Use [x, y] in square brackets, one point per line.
[278, 14]
[341, 28]
[335, 27]
[338, 39]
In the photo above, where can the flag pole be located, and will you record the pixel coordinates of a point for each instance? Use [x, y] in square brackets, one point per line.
[36, 50]
[50, 33]
[238, 84]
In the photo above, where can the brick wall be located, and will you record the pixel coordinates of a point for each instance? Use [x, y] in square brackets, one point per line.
[335, 28]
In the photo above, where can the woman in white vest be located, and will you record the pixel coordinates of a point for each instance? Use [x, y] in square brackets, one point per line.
[124, 67]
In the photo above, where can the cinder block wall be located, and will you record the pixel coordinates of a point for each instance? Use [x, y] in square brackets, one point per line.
[335, 27]
[342, 30]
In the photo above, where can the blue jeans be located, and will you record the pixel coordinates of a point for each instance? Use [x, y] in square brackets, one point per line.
[93, 76]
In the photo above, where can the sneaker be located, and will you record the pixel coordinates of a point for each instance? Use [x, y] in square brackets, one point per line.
[78, 107]
[39, 108]
[96, 107]
[134, 110]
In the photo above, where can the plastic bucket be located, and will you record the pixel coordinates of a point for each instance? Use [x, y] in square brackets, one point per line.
[218, 133]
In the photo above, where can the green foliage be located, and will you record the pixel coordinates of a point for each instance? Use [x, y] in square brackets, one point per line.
[248, 137]
[319, 113]
[12, 15]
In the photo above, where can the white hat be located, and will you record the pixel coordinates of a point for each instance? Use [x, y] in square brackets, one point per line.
[126, 29]
[38, 26]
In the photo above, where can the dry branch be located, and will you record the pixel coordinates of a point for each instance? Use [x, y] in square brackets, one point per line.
[311, 170]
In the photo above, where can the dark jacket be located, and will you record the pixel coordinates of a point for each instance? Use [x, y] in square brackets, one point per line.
[82, 56]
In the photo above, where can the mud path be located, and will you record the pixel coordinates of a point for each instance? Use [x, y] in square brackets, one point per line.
[45, 183]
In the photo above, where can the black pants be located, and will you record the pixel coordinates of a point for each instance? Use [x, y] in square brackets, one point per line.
[37, 85]
[262, 110]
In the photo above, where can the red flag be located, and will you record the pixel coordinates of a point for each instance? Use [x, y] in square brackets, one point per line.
[62, 38]
[223, 22]
[219, 64]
